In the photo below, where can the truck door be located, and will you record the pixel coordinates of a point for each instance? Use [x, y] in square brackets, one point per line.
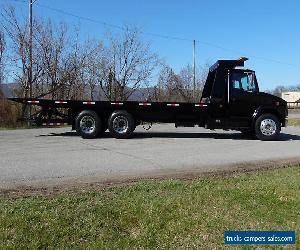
[243, 97]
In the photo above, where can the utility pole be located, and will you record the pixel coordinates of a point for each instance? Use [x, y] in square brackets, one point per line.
[194, 69]
[30, 54]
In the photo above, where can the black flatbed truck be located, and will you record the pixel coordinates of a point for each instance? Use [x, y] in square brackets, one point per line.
[230, 100]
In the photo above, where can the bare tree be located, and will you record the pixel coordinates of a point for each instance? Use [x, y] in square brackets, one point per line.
[19, 50]
[69, 66]
[187, 74]
[94, 51]
[66, 67]
[169, 85]
[2, 48]
[179, 87]
[283, 88]
[128, 65]
[279, 89]
[81, 68]
[49, 52]
[58, 59]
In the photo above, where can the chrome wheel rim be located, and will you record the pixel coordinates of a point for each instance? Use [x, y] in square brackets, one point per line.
[268, 127]
[87, 124]
[120, 124]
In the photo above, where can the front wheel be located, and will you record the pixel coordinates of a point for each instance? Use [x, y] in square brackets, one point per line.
[267, 127]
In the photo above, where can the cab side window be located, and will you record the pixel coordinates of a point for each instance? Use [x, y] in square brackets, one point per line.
[243, 81]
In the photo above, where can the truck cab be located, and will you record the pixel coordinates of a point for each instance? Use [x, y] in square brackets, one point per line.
[236, 102]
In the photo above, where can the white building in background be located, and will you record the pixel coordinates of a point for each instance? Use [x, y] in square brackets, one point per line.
[293, 96]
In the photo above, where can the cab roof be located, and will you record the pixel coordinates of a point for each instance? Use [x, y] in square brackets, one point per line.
[228, 64]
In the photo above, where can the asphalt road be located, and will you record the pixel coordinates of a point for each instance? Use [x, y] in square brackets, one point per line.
[294, 114]
[57, 154]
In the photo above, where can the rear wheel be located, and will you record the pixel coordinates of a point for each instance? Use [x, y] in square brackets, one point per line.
[121, 124]
[267, 127]
[88, 124]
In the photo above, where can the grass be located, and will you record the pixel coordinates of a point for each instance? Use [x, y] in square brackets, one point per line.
[294, 122]
[168, 214]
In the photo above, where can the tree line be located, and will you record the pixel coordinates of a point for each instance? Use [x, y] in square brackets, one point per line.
[282, 88]
[65, 66]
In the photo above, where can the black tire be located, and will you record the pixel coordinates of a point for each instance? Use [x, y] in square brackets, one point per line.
[121, 124]
[267, 127]
[88, 124]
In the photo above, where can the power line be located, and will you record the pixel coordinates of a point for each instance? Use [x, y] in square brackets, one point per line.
[162, 36]
[247, 54]
[80, 17]
[19, 1]
[170, 37]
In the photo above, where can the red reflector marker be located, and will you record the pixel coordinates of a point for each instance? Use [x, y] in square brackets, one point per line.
[173, 104]
[144, 104]
[34, 101]
[54, 124]
[60, 102]
[116, 103]
[89, 103]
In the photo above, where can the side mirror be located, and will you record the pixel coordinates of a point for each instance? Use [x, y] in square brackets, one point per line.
[206, 100]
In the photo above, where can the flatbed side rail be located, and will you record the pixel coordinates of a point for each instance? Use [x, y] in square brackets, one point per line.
[111, 104]
[58, 111]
